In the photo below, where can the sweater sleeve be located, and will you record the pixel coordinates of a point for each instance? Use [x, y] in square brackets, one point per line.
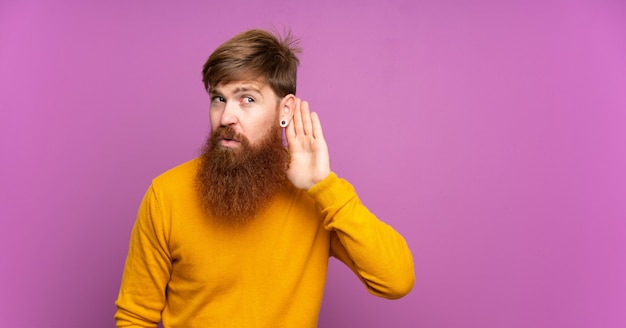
[147, 271]
[376, 253]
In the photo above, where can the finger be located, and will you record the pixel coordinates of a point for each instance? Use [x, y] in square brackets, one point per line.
[297, 118]
[317, 126]
[306, 119]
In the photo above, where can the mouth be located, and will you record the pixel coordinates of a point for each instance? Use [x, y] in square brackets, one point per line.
[228, 142]
[227, 137]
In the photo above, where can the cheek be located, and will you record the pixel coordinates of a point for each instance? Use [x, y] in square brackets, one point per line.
[261, 128]
[214, 119]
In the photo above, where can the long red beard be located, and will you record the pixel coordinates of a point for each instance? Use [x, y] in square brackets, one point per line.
[236, 184]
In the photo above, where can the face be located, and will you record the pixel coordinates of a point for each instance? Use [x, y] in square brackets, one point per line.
[249, 107]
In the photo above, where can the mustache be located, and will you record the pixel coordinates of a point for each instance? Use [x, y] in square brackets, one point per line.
[226, 132]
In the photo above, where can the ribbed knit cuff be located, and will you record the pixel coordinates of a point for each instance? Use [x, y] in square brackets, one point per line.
[331, 191]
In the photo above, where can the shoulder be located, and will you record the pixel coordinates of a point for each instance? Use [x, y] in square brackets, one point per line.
[182, 171]
[178, 179]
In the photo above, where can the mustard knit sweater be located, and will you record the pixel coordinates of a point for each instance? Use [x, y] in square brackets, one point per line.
[189, 271]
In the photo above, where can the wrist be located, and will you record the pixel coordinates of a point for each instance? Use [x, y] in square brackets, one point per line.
[319, 178]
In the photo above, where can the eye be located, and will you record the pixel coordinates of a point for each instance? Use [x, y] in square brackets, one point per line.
[248, 100]
[218, 99]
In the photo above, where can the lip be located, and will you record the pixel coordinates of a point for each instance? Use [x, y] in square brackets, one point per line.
[226, 142]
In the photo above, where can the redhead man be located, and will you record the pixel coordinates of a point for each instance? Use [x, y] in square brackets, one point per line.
[241, 235]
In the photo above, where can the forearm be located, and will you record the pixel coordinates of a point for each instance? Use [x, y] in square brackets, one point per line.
[372, 249]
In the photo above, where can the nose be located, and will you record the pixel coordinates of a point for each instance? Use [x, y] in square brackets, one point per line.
[229, 115]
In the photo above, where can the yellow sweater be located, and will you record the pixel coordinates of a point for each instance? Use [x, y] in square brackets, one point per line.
[186, 270]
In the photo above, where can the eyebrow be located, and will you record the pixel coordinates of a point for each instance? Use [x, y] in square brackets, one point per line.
[247, 89]
[244, 88]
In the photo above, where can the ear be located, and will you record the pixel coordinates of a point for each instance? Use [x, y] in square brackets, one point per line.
[286, 108]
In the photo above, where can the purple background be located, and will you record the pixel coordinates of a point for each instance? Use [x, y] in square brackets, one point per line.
[491, 134]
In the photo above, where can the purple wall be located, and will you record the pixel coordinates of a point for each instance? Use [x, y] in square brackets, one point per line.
[492, 134]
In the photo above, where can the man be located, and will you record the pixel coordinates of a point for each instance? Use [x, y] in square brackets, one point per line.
[240, 237]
